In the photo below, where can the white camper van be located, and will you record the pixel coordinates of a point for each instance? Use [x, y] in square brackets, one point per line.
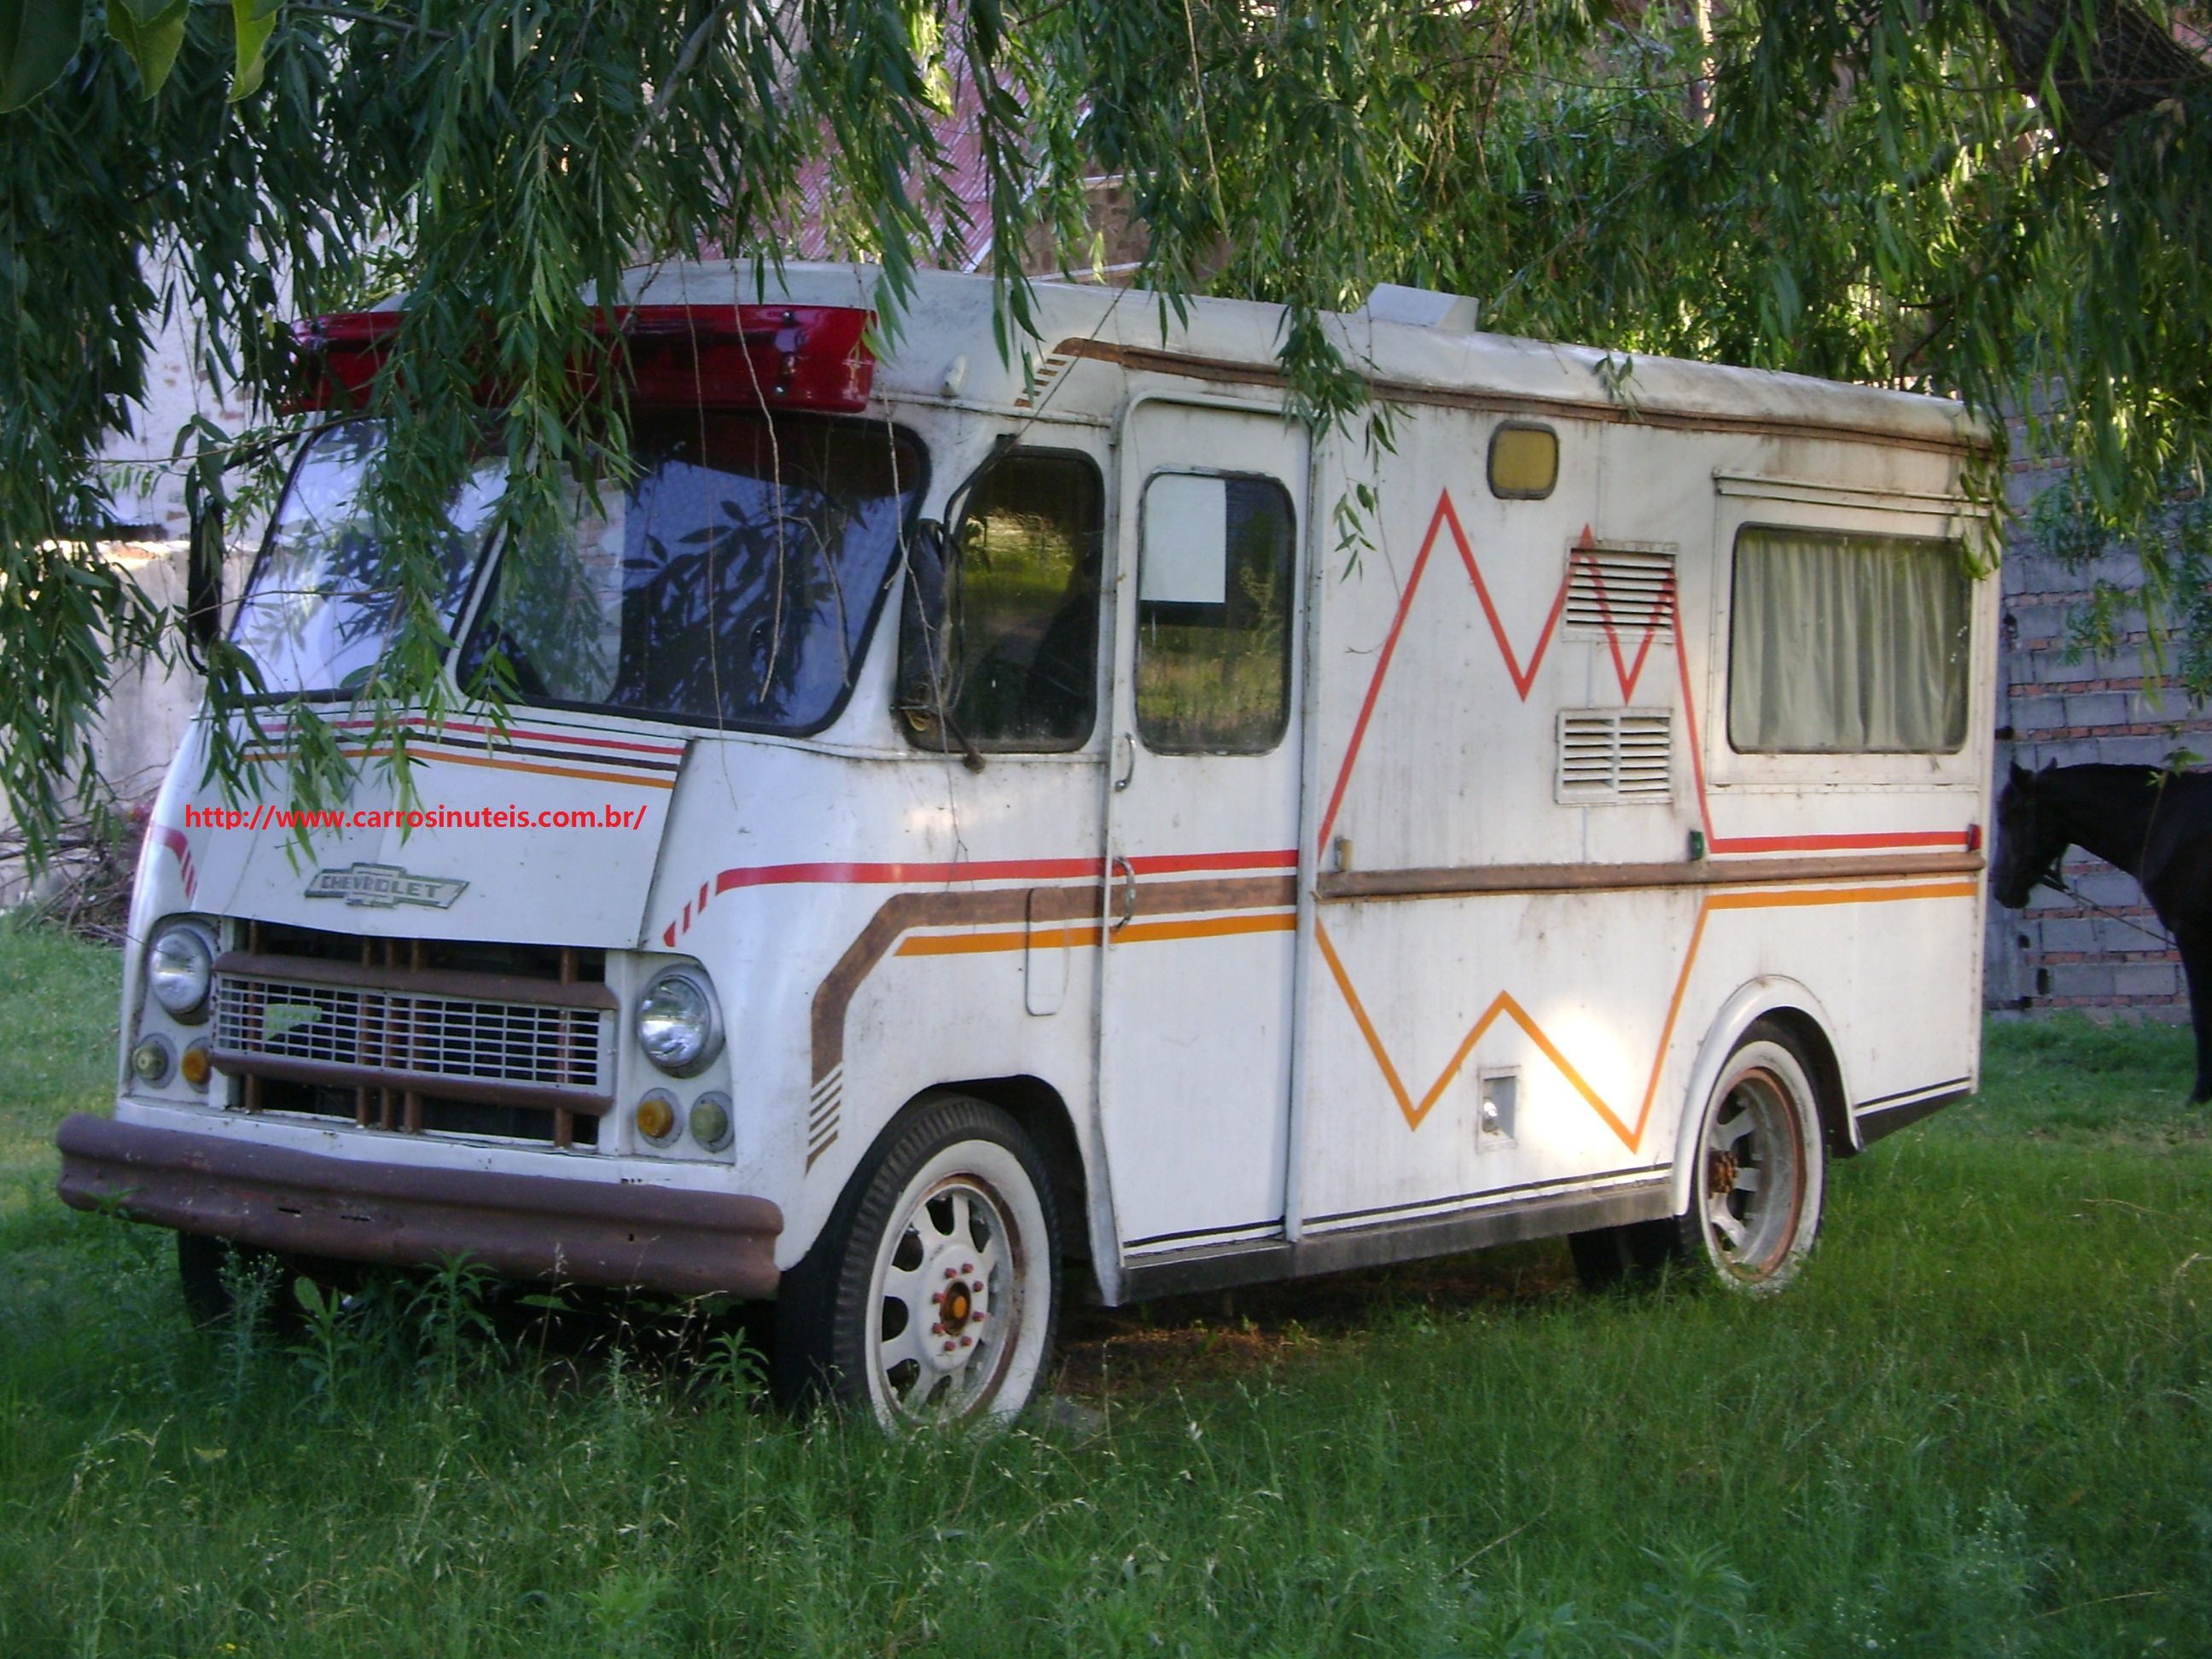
[971, 835]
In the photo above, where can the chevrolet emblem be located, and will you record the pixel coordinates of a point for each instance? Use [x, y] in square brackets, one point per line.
[380, 886]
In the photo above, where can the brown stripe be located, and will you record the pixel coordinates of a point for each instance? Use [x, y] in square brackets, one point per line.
[1168, 898]
[1453, 880]
[1407, 392]
[1137, 933]
[903, 912]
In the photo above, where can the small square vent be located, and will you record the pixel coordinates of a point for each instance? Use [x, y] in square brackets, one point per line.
[1614, 755]
[1627, 590]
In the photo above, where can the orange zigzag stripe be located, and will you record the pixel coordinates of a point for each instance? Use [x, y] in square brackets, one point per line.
[1631, 1133]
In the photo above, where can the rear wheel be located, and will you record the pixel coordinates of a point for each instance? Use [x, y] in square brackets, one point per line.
[932, 1293]
[1607, 1256]
[1758, 1172]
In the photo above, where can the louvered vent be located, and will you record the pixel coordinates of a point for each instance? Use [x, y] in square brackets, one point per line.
[1614, 755]
[1629, 588]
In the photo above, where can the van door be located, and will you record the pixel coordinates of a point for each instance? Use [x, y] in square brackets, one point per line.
[1202, 826]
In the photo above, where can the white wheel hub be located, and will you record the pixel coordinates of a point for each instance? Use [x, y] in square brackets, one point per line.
[958, 1305]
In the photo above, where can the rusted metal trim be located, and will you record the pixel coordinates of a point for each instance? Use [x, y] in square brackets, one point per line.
[1224, 370]
[1221, 1267]
[593, 1232]
[1451, 881]
[1874, 1122]
[425, 981]
[233, 1062]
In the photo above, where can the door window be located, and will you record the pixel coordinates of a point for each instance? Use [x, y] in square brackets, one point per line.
[1023, 642]
[1213, 608]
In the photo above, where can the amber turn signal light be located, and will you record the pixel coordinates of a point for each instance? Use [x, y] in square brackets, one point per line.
[655, 1118]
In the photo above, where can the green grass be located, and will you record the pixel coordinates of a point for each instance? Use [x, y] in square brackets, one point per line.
[1980, 1424]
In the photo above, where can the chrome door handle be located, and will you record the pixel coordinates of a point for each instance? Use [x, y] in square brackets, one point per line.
[1129, 771]
[1128, 894]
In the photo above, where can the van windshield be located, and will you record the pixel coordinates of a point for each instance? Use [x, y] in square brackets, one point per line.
[731, 584]
[324, 601]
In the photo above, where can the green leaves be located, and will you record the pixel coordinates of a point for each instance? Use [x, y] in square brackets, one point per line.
[151, 31]
[1852, 190]
[253, 21]
[37, 39]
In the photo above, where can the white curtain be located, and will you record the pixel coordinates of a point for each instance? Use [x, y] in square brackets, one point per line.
[1847, 644]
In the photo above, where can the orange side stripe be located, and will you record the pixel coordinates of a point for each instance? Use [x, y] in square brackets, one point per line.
[1631, 1135]
[630, 778]
[1782, 901]
[1366, 1025]
[968, 945]
[633, 779]
[1136, 932]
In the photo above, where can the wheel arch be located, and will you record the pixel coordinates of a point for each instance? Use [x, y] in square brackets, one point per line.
[1041, 1113]
[1791, 1005]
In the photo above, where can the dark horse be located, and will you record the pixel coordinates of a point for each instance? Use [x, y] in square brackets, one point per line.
[2153, 823]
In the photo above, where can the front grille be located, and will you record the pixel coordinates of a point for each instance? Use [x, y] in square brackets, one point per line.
[396, 1037]
[387, 1030]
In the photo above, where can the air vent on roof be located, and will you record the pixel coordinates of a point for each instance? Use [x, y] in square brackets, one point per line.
[1628, 591]
[1421, 307]
[1610, 755]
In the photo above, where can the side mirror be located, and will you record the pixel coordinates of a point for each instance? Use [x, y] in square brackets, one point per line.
[925, 672]
[203, 579]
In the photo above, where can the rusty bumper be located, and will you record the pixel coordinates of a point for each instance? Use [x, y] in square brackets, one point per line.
[548, 1227]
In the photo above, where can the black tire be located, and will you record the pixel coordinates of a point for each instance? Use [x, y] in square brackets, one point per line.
[1759, 1169]
[207, 1269]
[951, 1205]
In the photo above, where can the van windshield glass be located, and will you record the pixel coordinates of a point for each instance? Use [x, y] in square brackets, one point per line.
[323, 601]
[731, 584]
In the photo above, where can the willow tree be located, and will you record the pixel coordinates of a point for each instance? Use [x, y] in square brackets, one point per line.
[2003, 200]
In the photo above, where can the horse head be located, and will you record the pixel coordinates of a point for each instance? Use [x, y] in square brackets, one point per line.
[2030, 842]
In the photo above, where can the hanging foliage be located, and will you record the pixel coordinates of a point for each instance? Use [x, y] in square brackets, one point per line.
[2003, 200]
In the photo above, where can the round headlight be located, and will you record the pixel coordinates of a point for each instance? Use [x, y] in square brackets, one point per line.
[678, 1024]
[179, 968]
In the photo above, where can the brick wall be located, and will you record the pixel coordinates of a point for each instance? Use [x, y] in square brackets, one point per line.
[2058, 953]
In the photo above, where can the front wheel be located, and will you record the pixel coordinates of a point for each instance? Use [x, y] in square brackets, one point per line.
[1759, 1173]
[221, 1280]
[934, 1291]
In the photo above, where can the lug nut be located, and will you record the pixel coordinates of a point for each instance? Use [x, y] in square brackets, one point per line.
[949, 1347]
[937, 1330]
[967, 1341]
[937, 1296]
[977, 1317]
[949, 1273]
[966, 1266]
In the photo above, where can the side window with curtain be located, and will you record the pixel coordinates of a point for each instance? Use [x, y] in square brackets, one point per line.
[1022, 642]
[1844, 645]
[1213, 607]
